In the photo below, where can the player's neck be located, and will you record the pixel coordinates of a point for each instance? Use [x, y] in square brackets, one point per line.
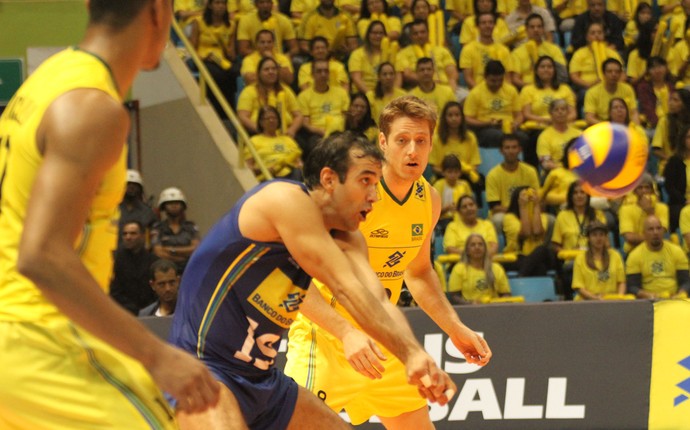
[398, 186]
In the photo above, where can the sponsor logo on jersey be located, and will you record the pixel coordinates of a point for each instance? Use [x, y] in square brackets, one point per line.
[380, 233]
[394, 259]
[419, 191]
[277, 298]
[417, 231]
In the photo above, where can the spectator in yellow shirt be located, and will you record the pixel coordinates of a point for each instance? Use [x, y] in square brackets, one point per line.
[599, 96]
[476, 54]
[599, 270]
[466, 223]
[554, 138]
[450, 187]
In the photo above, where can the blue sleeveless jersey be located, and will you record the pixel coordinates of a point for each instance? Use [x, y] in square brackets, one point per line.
[237, 296]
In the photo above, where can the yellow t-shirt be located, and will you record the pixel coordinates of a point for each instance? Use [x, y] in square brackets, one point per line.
[210, 39]
[451, 194]
[569, 231]
[337, 76]
[475, 55]
[285, 101]
[583, 61]
[658, 268]
[551, 142]
[525, 56]
[407, 58]
[390, 23]
[511, 231]
[500, 183]
[250, 63]
[280, 25]
[466, 150]
[457, 233]
[377, 105]
[631, 219]
[395, 232]
[676, 58]
[684, 225]
[598, 281]
[20, 299]
[661, 138]
[636, 66]
[573, 7]
[539, 99]
[367, 65]
[469, 32]
[597, 99]
[335, 29]
[554, 192]
[438, 97]
[473, 284]
[484, 105]
[325, 110]
[279, 153]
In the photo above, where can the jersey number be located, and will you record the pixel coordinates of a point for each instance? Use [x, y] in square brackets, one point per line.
[265, 344]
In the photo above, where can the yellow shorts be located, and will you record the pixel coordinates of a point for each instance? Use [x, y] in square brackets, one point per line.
[316, 360]
[56, 376]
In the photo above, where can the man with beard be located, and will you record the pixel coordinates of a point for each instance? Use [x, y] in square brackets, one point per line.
[333, 24]
[657, 269]
[164, 282]
[265, 18]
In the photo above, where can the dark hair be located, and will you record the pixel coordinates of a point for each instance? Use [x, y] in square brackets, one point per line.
[627, 109]
[645, 38]
[139, 224]
[335, 152]
[264, 31]
[419, 22]
[532, 16]
[410, 107]
[593, 226]
[117, 15]
[566, 148]
[640, 7]
[608, 61]
[554, 84]
[414, 3]
[367, 121]
[590, 213]
[364, 11]
[494, 8]
[443, 131]
[514, 206]
[462, 198]
[208, 14]
[276, 87]
[316, 39]
[161, 266]
[451, 161]
[677, 122]
[510, 137]
[425, 60]
[478, 15]
[313, 63]
[494, 68]
[263, 110]
[378, 89]
[370, 27]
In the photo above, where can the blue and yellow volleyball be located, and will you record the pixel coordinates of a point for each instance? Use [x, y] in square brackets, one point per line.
[609, 159]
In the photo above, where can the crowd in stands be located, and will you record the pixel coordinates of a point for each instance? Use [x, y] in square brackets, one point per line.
[518, 79]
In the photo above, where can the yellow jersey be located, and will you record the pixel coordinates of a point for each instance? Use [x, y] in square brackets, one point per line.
[598, 281]
[395, 232]
[20, 160]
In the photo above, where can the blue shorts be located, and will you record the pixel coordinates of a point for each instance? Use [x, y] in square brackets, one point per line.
[267, 399]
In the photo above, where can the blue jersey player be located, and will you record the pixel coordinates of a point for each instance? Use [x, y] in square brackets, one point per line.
[244, 284]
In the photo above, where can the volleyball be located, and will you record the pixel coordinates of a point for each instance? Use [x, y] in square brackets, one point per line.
[609, 159]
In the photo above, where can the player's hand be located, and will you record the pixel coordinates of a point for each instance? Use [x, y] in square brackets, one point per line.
[472, 346]
[186, 379]
[363, 354]
[432, 383]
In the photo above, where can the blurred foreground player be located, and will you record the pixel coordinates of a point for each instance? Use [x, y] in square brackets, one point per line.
[70, 357]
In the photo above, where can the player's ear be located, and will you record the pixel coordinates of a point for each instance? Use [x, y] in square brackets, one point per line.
[382, 140]
[328, 178]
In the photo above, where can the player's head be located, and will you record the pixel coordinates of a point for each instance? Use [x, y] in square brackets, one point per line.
[119, 15]
[407, 126]
[344, 170]
[164, 281]
[338, 152]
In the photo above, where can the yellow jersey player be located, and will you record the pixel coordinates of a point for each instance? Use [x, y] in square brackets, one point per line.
[398, 232]
[71, 358]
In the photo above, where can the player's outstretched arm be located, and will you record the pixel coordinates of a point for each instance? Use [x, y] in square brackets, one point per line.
[360, 350]
[81, 137]
[298, 223]
[422, 281]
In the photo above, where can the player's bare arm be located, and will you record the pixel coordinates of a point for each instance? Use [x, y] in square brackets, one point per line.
[422, 281]
[76, 154]
[298, 223]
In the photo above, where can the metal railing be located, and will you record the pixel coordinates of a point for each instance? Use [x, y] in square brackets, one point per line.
[207, 81]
